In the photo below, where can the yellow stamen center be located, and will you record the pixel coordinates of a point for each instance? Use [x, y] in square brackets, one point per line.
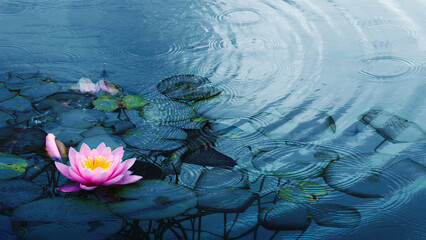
[98, 162]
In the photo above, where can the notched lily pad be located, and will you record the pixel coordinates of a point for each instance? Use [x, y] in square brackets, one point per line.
[5, 94]
[83, 119]
[187, 87]
[152, 199]
[18, 103]
[162, 138]
[19, 141]
[106, 102]
[334, 215]
[17, 192]
[225, 199]
[133, 102]
[285, 216]
[11, 166]
[167, 111]
[392, 127]
[62, 101]
[218, 177]
[63, 210]
[40, 91]
[208, 157]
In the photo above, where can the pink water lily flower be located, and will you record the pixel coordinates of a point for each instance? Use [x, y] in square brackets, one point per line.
[91, 168]
[85, 85]
[108, 86]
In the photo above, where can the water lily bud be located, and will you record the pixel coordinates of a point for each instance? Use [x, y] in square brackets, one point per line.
[52, 147]
[86, 85]
[109, 87]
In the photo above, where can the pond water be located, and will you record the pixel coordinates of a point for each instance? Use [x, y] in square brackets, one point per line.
[268, 119]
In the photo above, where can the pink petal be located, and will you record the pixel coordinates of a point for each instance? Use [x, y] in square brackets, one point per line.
[87, 174]
[106, 152]
[70, 188]
[82, 186]
[52, 148]
[129, 179]
[113, 180]
[99, 176]
[118, 153]
[85, 150]
[124, 167]
[65, 170]
[101, 147]
[77, 177]
[72, 154]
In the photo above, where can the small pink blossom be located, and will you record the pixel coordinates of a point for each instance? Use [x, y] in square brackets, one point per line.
[86, 85]
[52, 148]
[108, 86]
[91, 168]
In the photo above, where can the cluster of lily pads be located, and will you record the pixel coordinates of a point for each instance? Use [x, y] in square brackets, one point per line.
[199, 165]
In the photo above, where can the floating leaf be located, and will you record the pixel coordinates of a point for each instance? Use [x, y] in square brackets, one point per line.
[312, 188]
[147, 170]
[218, 178]
[17, 103]
[62, 101]
[17, 192]
[295, 195]
[167, 111]
[11, 166]
[41, 90]
[299, 124]
[70, 231]
[133, 102]
[162, 138]
[392, 127]
[334, 215]
[285, 216]
[4, 118]
[106, 102]
[16, 83]
[6, 232]
[208, 157]
[225, 199]
[154, 199]
[294, 162]
[83, 119]
[187, 87]
[5, 94]
[63, 210]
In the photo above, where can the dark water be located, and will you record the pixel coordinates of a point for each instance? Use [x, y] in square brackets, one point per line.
[283, 119]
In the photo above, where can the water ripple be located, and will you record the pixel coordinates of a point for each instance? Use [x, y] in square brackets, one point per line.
[11, 7]
[386, 67]
[243, 16]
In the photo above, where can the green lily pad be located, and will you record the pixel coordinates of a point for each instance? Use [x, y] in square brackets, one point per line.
[17, 192]
[294, 162]
[133, 102]
[40, 91]
[71, 231]
[334, 215]
[152, 199]
[187, 87]
[167, 111]
[392, 127]
[63, 210]
[161, 138]
[106, 102]
[311, 188]
[5, 94]
[295, 195]
[301, 124]
[11, 166]
[372, 175]
[285, 216]
[225, 199]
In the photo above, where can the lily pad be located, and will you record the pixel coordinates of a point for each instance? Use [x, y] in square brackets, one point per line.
[5, 94]
[17, 192]
[334, 215]
[40, 91]
[167, 111]
[15, 83]
[147, 170]
[6, 232]
[63, 210]
[96, 230]
[11, 166]
[61, 101]
[4, 118]
[295, 195]
[106, 102]
[69, 136]
[133, 102]
[392, 127]
[28, 140]
[78, 118]
[18, 103]
[218, 178]
[372, 175]
[208, 157]
[285, 216]
[192, 123]
[294, 162]
[301, 124]
[152, 199]
[225, 199]
[161, 138]
[187, 87]
[311, 188]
